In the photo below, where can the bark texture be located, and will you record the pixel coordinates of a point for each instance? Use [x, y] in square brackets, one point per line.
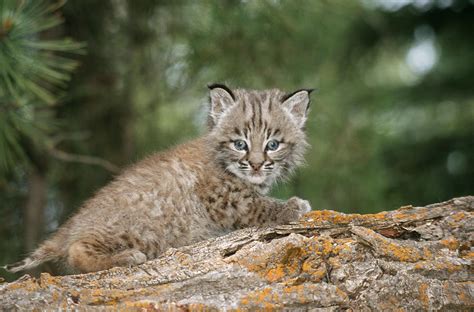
[413, 258]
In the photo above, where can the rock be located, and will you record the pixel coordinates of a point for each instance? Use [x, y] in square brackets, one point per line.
[414, 258]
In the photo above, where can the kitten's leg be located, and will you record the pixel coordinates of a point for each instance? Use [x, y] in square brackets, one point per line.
[94, 255]
[268, 211]
[292, 210]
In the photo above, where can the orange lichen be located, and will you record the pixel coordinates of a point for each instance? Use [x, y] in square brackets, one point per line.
[326, 247]
[293, 289]
[450, 267]
[461, 293]
[391, 248]
[458, 216]
[291, 254]
[307, 266]
[318, 275]
[441, 266]
[299, 291]
[105, 296]
[275, 274]
[427, 254]
[341, 293]
[317, 217]
[455, 220]
[468, 255]
[264, 298]
[343, 245]
[142, 306]
[450, 243]
[29, 285]
[423, 294]
[45, 280]
[401, 253]
[408, 213]
[420, 265]
[151, 306]
[295, 264]
[274, 267]
[101, 296]
[334, 262]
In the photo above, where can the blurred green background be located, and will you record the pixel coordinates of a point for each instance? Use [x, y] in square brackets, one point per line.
[392, 122]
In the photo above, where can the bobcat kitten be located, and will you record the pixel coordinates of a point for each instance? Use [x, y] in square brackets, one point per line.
[197, 190]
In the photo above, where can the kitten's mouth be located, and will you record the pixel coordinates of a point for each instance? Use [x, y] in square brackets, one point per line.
[256, 177]
[258, 174]
[253, 176]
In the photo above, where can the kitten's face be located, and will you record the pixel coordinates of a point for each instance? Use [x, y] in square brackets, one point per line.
[258, 134]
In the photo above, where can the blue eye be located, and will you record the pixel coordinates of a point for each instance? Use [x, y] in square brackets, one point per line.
[240, 145]
[272, 145]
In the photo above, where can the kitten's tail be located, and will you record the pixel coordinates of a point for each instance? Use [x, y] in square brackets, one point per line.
[48, 251]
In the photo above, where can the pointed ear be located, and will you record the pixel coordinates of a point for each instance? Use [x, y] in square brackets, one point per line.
[221, 99]
[297, 104]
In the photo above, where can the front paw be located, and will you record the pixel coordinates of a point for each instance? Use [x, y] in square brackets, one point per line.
[129, 257]
[293, 210]
[300, 206]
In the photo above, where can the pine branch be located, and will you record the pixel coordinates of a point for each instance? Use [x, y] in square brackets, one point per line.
[84, 159]
[32, 72]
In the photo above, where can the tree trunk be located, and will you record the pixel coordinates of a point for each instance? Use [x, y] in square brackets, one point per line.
[414, 258]
[34, 208]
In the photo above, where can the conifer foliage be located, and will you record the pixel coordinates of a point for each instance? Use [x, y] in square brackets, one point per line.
[33, 71]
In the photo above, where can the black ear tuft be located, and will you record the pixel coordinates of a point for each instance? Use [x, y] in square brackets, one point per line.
[222, 86]
[287, 96]
[297, 104]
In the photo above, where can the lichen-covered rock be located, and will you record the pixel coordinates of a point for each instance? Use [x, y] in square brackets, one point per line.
[413, 258]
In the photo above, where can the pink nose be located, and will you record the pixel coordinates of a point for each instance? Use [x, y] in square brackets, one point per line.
[255, 166]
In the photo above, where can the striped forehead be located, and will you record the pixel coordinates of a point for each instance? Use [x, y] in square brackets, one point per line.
[257, 106]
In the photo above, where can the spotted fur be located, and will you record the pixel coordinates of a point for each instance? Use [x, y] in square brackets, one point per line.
[201, 189]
